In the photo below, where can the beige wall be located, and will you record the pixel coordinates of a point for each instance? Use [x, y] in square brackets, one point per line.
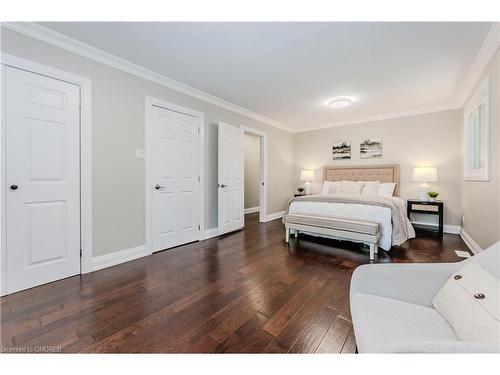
[429, 139]
[118, 129]
[481, 200]
[252, 170]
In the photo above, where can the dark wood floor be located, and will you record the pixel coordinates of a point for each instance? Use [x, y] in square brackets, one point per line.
[243, 292]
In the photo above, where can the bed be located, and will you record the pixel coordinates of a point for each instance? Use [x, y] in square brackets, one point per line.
[377, 221]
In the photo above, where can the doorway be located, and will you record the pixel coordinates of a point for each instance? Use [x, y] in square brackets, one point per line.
[255, 172]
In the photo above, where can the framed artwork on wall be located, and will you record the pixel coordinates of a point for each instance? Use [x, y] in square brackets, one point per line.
[341, 150]
[370, 148]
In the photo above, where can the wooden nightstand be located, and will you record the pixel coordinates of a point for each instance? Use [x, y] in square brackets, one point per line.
[427, 207]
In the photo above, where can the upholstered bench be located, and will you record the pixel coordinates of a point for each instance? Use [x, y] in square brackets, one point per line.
[341, 228]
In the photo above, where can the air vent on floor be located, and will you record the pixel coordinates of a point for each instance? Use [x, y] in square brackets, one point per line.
[462, 254]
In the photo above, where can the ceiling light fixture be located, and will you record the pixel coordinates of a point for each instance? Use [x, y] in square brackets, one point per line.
[340, 102]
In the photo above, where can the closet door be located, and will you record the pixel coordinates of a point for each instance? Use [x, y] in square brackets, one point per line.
[42, 131]
[175, 170]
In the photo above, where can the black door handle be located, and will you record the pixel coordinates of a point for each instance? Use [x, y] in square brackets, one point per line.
[13, 187]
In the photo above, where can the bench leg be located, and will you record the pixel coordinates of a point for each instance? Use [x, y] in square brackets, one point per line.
[287, 235]
[373, 251]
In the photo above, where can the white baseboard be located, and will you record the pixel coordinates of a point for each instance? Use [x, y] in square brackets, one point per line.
[118, 257]
[251, 210]
[274, 216]
[210, 233]
[214, 232]
[451, 229]
[471, 244]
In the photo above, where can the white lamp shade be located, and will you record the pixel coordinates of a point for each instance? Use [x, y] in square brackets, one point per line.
[425, 174]
[307, 175]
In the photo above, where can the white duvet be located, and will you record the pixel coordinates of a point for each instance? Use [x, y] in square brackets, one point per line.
[381, 215]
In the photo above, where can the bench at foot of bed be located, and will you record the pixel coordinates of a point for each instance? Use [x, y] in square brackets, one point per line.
[355, 230]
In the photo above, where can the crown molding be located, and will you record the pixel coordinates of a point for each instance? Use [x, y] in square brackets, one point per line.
[62, 41]
[44, 34]
[381, 117]
[481, 61]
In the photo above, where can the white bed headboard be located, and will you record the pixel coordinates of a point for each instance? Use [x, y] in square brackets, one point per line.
[382, 173]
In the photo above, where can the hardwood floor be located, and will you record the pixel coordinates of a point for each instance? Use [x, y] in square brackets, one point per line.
[243, 292]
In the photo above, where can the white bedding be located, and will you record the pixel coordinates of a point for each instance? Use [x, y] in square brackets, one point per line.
[377, 214]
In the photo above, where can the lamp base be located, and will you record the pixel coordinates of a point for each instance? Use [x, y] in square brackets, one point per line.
[307, 188]
[422, 194]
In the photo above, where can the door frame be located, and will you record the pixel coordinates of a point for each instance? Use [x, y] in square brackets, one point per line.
[85, 158]
[263, 170]
[149, 102]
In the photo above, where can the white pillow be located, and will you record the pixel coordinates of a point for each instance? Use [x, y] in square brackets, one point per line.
[370, 187]
[472, 319]
[386, 189]
[351, 187]
[327, 186]
[341, 187]
[331, 187]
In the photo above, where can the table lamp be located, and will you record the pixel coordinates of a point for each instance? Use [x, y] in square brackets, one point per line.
[307, 175]
[424, 175]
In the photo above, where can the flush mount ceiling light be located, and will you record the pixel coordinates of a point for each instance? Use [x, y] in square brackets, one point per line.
[340, 102]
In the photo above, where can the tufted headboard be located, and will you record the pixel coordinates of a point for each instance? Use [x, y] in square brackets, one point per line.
[382, 173]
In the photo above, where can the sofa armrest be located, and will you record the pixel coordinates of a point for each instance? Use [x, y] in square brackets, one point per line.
[439, 347]
[413, 283]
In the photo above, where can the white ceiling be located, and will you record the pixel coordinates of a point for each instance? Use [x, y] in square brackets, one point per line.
[288, 71]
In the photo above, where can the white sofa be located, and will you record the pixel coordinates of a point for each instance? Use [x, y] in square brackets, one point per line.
[392, 311]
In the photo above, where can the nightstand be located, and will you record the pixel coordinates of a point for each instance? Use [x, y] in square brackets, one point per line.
[427, 207]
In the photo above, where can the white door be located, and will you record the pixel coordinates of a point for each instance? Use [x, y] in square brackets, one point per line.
[231, 178]
[175, 176]
[43, 179]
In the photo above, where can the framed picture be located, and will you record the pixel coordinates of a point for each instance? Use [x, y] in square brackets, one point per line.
[341, 150]
[370, 148]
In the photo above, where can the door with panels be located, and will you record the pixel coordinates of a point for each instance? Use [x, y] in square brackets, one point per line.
[176, 178]
[231, 178]
[42, 130]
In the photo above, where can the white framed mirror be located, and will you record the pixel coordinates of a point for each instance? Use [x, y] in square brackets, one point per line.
[477, 135]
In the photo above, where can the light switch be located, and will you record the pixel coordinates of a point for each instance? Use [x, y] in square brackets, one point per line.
[139, 154]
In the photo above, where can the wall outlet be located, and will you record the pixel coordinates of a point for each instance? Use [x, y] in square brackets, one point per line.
[139, 154]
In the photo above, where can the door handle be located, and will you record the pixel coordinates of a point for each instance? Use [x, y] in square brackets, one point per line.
[13, 187]
[223, 186]
[158, 187]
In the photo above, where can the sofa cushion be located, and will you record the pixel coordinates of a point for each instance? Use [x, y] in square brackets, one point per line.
[379, 323]
[470, 302]
[489, 259]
